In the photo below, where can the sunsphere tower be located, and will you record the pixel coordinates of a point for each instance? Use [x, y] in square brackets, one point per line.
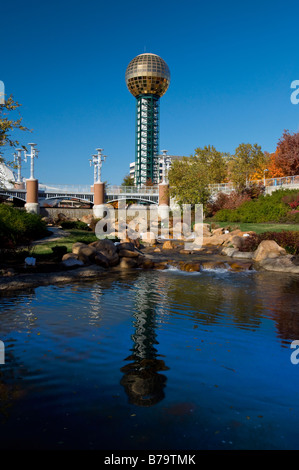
[147, 78]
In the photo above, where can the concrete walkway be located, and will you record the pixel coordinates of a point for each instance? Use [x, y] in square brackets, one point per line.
[57, 234]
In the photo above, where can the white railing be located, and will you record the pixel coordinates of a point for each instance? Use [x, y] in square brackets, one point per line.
[282, 181]
[132, 190]
[64, 188]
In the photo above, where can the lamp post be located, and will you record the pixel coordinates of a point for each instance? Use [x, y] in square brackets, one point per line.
[32, 204]
[164, 200]
[100, 160]
[98, 187]
[33, 154]
[265, 176]
[18, 162]
[93, 161]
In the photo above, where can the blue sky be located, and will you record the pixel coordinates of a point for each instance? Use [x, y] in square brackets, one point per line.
[231, 64]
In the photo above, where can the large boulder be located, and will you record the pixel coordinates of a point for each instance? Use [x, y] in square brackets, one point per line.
[106, 246]
[128, 254]
[128, 263]
[101, 260]
[280, 264]
[168, 245]
[70, 260]
[268, 249]
[76, 247]
[86, 253]
[149, 238]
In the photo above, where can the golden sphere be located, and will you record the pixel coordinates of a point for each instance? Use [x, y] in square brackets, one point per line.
[147, 74]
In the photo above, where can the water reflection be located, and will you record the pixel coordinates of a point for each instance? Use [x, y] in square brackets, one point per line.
[142, 381]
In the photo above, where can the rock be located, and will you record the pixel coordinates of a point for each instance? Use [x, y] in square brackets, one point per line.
[229, 251]
[160, 265]
[280, 264]
[185, 252]
[101, 260]
[148, 237]
[215, 239]
[103, 246]
[213, 265]
[243, 254]
[157, 250]
[239, 265]
[268, 249]
[168, 245]
[87, 219]
[218, 231]
[86, 252]
[147, 264]
[7, 272]
[204, 227]
[128, 263]
[237, 241]
[70, 260]
[125, 246]
[128, 254]
[190, 267]
[76, 247]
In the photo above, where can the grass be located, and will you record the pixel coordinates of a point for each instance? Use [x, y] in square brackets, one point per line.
[259, 228]
[75, 236]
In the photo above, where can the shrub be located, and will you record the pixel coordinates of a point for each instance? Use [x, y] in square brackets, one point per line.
[267, 208]
[286, 239]
[74, 224]
[18, 227]
[227, 201]
[59, 251]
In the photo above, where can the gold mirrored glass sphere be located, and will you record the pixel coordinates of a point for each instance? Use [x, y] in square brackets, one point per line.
[147, 74]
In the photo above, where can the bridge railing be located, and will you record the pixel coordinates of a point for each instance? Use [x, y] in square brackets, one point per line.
[63, 188]
[132, 190]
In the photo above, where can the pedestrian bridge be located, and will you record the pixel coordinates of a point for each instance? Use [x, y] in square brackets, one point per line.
[48, 193]
[51, 193]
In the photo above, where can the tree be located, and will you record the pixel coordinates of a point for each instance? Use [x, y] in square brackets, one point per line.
[287, 155]
[8, 124]
[246, 160]
[214, 162]
[128, 181]
[188, 180]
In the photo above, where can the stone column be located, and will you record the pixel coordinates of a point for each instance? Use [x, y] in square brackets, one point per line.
[98, 199]
[164, 200]
[32, 204]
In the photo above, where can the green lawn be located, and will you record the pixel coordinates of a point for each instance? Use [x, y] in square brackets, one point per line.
[75, 236]
[260, 228]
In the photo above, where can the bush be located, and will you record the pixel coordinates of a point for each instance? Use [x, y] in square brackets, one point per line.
[226, 201]
[286, 239]
[59, 251]
[268, 208]
[18, 227]
[74, 224]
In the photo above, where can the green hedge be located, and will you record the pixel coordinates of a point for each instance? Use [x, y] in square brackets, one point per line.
[267, 208]
[18, 227]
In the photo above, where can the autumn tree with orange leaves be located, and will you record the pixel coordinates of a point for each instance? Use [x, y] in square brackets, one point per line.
[287, 153]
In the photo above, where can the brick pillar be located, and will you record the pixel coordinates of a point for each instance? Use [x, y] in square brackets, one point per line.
[164, 200]
[98, 199]
[32, 204]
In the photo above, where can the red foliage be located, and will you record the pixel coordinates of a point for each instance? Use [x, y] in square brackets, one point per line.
[227, 201]
[286, 239]
[287, 154]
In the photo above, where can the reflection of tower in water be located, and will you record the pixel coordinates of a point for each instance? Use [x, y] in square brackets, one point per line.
[142, 381]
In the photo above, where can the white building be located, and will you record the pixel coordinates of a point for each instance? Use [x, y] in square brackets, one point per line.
[170, 157]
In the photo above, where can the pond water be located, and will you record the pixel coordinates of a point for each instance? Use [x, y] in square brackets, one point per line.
[152, 360]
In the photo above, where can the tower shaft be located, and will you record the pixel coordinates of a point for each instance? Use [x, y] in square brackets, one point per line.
[147, 139]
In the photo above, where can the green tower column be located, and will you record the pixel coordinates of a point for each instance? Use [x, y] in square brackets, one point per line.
[147, 139]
